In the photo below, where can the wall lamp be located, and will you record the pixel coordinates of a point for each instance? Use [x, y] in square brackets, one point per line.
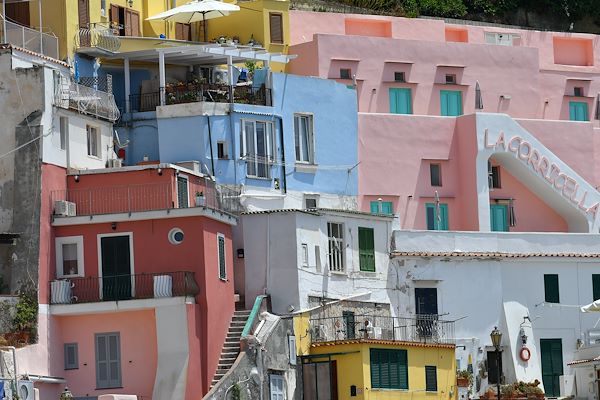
[130, 2]
[113, 226]
[77, 178]
[159, 171]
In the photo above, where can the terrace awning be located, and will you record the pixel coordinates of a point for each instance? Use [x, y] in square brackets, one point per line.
[592, 307]
[211, 54]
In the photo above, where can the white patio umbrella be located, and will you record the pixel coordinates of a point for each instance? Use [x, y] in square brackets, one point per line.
[196, 11]
[592, 307]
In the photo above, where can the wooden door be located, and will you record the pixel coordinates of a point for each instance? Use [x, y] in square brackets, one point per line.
[114, 19]
[18, 12]
[116, 268]
[135, 23]
[183, 31]
[552, 365]
[127, 23]
[84, 13]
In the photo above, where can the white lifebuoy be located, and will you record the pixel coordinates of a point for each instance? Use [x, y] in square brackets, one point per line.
[525, 354]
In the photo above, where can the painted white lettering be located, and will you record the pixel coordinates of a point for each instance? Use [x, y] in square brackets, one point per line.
[511, 145]
[522, 154]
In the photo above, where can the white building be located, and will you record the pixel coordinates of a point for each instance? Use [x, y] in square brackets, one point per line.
[525, 283]
[300, 257]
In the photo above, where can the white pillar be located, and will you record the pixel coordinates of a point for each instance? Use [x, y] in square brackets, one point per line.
[4, 39]
[127, 86]
[268, 83]
[230, 77]
[41, 30]
[161, 76]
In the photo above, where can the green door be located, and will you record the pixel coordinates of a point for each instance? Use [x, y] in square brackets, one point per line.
[400, 101]
[451, 103]
[552, 365]
[578, 111]
[499, 217]
[434, 223]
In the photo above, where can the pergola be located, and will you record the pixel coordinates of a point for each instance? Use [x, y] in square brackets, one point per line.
[211, 54]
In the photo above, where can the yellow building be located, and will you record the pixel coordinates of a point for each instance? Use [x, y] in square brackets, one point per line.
[83, 25]
[376, 357]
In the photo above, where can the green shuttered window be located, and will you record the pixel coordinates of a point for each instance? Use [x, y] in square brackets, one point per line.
[386, 208]
[389, 369]
[434, 221]
[451, 103]
[551, 288]
[596, 286]
[578, 111]
[366, 249]
[400, 101]
[221, 249]
[430, 378]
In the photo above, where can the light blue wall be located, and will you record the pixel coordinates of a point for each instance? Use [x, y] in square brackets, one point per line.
[142, 134]
[333, 106]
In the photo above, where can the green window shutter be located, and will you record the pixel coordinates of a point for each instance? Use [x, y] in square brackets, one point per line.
[578, 111]
[450, 103]
[386, 207]
[222, 265]
[403, 369]
[375, 369]
[182, 192]
[430, 378]
[366, 249]
[389, 369]
[400, 101]
[551, 288]
[596, 286]
[433, 224]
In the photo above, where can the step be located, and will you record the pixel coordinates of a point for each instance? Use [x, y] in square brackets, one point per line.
[225, 364]
[237, 323]
[228, 357]
[236, 329]
[231, 351]
[239, 318]
[244, 312]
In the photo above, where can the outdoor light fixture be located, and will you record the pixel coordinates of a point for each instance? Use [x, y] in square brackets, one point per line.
[113, 226]
[77, 178]
[159, 171]
[130, 2]
[523, 336]
[496, 337]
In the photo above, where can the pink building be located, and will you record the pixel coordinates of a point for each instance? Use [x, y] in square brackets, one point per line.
[433, 100]
[141, 290]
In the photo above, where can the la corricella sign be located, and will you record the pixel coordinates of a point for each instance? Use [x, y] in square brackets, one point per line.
[567, 185]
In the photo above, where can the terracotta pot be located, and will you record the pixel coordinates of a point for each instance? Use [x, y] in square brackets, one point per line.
[462, 382]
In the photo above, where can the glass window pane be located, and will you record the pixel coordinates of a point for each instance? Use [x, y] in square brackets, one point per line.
[69, 253]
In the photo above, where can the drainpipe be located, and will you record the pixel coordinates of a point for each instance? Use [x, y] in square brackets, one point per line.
[14, 353]
[212, 158]
[284, 183]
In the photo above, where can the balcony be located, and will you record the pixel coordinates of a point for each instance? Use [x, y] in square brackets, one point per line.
[147, 197]
[193, 93]
[29, 39]
[123, 287]
[420, 328]
[97, 40]
[86, 100]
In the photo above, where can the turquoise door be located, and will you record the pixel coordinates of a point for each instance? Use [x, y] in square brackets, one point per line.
[451, 103]
[400, 101]
[499, 217]
[552, 365]
[578, 111]
[433, 224]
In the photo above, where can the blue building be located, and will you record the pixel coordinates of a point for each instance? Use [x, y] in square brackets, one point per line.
[294, 146]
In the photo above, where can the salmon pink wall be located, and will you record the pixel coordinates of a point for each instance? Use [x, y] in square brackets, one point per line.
[217, 305]
[53, 178]
[194, 371]
[137, 331]
[530, 210]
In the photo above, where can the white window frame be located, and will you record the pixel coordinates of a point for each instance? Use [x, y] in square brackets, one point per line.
[275, 395]
[187, 195]
[63, 129]
[58, 243]
[270, 147]
[219, 237]
[338, 257]
[314, 197]
[88, 129]
[310, 140]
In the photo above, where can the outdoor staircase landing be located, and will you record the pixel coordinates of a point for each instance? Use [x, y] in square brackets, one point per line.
[231, 347]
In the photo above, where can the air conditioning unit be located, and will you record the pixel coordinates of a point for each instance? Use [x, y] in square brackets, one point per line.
[115, 163]
[25, 390]
[64, 208]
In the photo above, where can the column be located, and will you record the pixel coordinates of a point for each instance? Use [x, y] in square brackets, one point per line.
[230, 77]
[127, 86]
[161, 76]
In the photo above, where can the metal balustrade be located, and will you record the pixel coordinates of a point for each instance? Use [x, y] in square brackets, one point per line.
[97, 36]
[420, 328]
[86, 100]
[123, 287]
[29, 39]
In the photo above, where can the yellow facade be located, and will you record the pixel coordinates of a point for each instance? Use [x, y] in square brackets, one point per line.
[252, 21]
[354, 368]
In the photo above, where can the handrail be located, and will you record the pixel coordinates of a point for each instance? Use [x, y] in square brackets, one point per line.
[28, 38]
[255, 309]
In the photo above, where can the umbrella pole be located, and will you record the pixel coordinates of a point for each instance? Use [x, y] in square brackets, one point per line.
[204, 25]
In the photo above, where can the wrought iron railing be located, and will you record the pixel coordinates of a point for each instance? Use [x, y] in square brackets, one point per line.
[123, 287]
[216, 93]
[148, 197]
[29, 39]
[104, 83]
[420, 328]
[86, 100]
[97, 36]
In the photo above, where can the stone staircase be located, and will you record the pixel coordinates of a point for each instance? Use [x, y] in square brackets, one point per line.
[231, 348]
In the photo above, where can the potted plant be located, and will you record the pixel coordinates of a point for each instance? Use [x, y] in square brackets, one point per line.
[200, 199]
[463, 378]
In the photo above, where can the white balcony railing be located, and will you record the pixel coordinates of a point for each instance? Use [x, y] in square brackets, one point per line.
[86, 100]
[29, 39]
